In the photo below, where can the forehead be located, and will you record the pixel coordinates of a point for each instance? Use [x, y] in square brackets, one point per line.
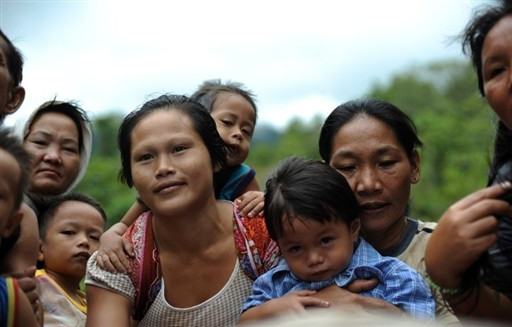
[235, 102]
[54, 119]
[77, 211]
[366, 127]
[168, 120]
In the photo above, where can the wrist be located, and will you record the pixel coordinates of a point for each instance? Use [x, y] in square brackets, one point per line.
[450, 288]
[119, 228]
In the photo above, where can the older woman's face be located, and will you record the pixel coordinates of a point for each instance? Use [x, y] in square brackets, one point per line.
[53, 143]
[497, 69]
[367, 152]
[170, 164]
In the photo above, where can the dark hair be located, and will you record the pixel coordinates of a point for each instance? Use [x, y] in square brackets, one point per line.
[209, 91]
[13, 145]
[201, 120]
[476, 30]
[14, 61]
[397, 120]
[70, 109]
[48, 214]
[307, 189]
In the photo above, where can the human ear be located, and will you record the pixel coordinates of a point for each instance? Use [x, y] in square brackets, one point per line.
[17, 95]
[416, 167]
[355, 227]
[40, 255]
[11, 223]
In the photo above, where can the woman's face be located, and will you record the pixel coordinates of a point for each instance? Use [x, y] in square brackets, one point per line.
[497, 69]
[367, 152]
[53, 143]
[170, 164]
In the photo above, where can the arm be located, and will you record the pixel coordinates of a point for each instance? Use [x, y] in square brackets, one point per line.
[24, 314]
[468, 228]
[107, 308]
[291, 302]
[113, 247]
[28, 285]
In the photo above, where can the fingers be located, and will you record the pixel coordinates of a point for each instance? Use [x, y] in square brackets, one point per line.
[128, 249]
[251, 203]
[361, 285]
[491, 192]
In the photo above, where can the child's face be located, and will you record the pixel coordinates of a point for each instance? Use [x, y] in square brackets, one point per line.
[53, 143]
[318, 251]
[10, 173]
[497, 69]
[235, 118]
[71, 238]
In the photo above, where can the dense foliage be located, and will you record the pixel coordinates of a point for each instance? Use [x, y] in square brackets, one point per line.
[453, 122]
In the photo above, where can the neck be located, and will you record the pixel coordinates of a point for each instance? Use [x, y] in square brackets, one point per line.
[69, 284]
[384, 239]
[193, 231]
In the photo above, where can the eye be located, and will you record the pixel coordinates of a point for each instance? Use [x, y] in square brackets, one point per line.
[227, 122]
[388, 163]
[39, 142]
[95, 238]
[247, 132]
[295, 249]
[71, 149]
[68, 232]
[345, 169]
[496, 71]
[179, 148]
[145, 157]
[326, 240]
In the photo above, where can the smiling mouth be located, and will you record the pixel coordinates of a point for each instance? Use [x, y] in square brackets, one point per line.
[167, 187]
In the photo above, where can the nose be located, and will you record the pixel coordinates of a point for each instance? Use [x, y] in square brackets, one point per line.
[164, 166]
[83, 240]
[367, 181]
[314, 258]
[236, 133]
[52, 155]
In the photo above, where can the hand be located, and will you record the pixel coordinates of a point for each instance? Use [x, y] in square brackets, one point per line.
[251, 203]
[294, 302]
[346, 300]
[465, 231]
[114, 250]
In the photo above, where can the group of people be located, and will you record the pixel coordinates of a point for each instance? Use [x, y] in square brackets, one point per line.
[204, 245]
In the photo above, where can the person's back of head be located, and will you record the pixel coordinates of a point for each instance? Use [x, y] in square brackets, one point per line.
[307, 189]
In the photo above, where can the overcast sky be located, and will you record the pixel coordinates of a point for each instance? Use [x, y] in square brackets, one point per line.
[301, 57]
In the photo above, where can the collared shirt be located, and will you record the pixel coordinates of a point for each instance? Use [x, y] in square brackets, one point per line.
[399, 284]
